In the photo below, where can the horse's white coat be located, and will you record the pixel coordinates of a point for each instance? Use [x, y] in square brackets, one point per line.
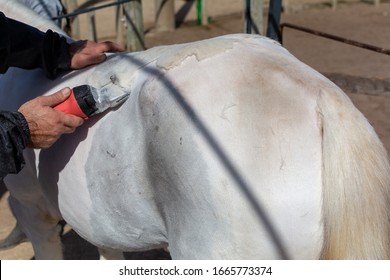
[143, 176]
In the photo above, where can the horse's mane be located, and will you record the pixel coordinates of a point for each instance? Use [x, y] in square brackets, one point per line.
[22, 13]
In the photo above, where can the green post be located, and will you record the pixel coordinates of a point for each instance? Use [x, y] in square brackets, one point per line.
[199, 12]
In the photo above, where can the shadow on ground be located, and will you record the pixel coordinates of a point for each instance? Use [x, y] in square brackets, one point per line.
[76, 248]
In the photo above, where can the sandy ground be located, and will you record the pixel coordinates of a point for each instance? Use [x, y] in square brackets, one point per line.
[359, 21]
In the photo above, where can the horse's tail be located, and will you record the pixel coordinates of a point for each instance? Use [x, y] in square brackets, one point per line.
[356, 183]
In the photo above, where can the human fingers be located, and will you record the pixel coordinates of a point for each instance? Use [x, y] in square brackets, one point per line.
[109, 46]
[85, 53]
[46, 124]
[70, 122]
[96, 53]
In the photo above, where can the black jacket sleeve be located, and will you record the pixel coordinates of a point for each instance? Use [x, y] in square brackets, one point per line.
[26, 47]
[14, 137]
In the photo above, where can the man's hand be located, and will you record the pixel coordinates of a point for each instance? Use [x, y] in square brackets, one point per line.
[45, 123]
[84, 53]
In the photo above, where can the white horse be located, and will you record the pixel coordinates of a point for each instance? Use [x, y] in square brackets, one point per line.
[227, 148]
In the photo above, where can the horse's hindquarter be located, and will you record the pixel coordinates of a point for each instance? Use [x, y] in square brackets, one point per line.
[265, 121]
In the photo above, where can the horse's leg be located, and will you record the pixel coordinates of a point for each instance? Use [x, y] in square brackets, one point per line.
[40, 227]
[14, 238]
[109, 254]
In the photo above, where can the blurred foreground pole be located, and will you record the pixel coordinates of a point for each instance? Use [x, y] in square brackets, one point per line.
[334, 4]
[253, 23]
[119, 26]
[135, 25]
[165, 15]
[273, 27]
[92, 35]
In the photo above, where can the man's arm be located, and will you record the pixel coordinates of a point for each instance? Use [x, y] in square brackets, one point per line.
[35, 125]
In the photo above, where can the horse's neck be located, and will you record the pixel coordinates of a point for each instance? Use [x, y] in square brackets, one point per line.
[18, 11]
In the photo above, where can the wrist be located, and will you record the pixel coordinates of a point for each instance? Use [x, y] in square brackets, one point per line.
[56, 54]
[64, 58]
[24, 127]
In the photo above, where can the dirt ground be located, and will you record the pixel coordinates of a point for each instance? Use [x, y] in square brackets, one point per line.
[356, 20]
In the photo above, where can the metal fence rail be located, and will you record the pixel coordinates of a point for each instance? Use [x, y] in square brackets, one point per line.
[128, 10]
[333, 37]
[91, 9]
